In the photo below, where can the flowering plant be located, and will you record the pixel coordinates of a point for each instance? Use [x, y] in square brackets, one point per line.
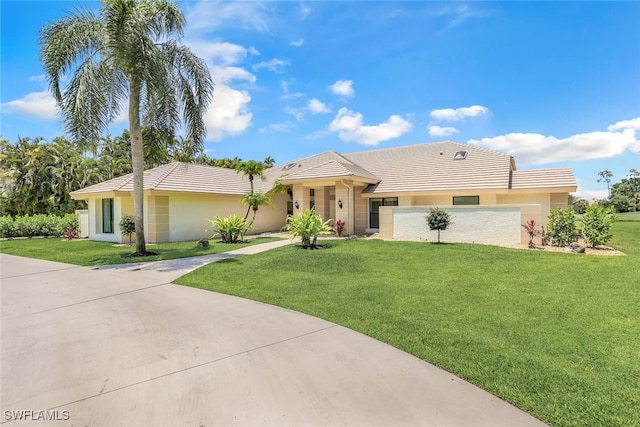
[339, 226]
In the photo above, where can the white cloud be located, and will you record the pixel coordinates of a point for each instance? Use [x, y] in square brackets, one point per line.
[533, 148]
[297, 43]
[228, 113]
[37, 104]
[225, 75]
[210, 15]
[349, 127]
[275, 65]
[218, 53]
[453, 115]
[317, 107]
[626, 124]
[442, 131]
[591, 194]
[343, 88]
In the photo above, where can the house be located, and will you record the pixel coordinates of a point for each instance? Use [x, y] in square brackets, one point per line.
[388, 191]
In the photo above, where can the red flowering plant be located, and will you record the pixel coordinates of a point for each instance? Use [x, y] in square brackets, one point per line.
[339, 227]
[532, 230]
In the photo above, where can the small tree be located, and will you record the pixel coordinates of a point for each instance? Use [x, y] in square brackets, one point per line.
[308, 225]
[438, 219]
[128, 226]
[562, 227]
[597, 222]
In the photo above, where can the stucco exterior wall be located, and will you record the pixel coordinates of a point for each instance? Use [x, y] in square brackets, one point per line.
[490, 224]
[189, 215]
[95, 220]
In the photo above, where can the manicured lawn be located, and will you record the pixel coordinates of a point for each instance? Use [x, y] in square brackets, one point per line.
[556, 334]
[85, 252]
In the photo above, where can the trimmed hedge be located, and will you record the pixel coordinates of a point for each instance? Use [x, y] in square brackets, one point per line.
[37, 225]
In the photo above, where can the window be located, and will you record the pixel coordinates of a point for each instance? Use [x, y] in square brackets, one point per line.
[374, 209]
[460, 155]
[312, 198]
[107, 215]
[466, 200]
[289, 207]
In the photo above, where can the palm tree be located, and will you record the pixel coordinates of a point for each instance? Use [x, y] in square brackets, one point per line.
[606, 177]
[128, 50]
[253, 201]
[252, 169]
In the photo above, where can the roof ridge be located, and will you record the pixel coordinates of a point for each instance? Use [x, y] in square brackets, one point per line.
[170, 168]
[126, 179]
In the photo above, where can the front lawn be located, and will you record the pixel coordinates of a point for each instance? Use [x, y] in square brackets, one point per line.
[556, 334]
[90, 253]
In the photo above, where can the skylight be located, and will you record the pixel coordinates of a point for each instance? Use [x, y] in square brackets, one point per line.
[289, 166]
[462, 154]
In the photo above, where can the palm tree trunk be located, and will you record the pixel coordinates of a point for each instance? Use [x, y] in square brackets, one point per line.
[137, 163]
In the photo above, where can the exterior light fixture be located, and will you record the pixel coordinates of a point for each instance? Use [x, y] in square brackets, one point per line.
[297, 205]
[340, 204]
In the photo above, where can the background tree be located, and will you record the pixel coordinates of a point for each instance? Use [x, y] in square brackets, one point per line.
[438, 219]
[129, 50]
[606, 177]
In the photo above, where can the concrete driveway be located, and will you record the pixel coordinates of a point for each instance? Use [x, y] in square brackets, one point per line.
[125, 347]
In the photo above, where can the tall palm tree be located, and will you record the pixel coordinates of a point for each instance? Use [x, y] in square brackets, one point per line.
[252, 169]
[128, 50]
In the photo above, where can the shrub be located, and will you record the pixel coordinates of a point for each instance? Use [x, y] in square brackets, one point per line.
[438, 219]
[38, 225]
[7, 227]
[562, 227]
[127, 226]
[231, 228]
[532, 230]
[308, 225]
[596, 222]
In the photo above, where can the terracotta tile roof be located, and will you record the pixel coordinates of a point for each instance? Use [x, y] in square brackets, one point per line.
[543, 178]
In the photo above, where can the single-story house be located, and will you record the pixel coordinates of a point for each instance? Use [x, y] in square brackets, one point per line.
[387, 191]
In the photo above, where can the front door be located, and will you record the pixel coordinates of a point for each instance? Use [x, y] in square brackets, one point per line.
[374, 209]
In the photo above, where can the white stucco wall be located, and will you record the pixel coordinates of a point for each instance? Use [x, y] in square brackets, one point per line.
[472, 224]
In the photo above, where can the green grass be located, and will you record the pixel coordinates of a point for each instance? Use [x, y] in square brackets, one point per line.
[628, 216]
[90, 253]
[556, 334]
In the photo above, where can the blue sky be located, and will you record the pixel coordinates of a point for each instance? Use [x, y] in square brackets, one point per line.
[555, 84]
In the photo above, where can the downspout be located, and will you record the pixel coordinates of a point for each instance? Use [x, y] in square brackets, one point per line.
[351, 215]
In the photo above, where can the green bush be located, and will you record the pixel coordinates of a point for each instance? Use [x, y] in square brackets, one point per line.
[596, 223]
[7, 227]
[308, 225]
[230, 228]
[37, 225]
[562, 227]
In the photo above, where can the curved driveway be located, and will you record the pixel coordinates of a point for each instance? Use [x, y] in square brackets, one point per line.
[124, 346]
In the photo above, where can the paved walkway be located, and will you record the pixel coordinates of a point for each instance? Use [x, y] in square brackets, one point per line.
[124, 346]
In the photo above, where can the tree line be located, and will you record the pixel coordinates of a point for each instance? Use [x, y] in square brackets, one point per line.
[37, 175]
[624, 196]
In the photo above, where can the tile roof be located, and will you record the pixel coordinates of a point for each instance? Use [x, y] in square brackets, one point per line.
[431, 167]
[415, 168]
[178, 176]
[543, 178]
